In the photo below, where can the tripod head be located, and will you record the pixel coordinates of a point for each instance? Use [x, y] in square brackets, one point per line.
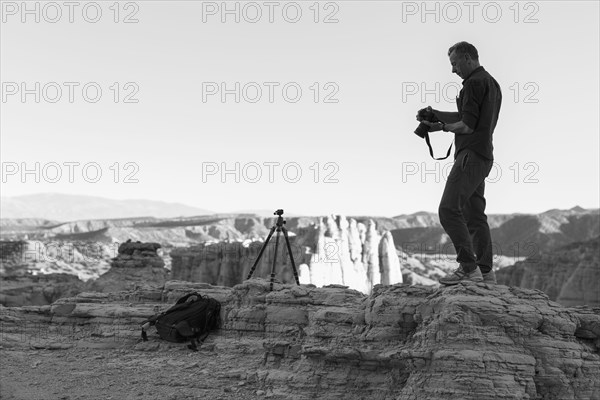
[280, 220]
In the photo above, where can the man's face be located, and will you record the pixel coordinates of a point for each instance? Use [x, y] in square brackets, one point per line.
[459, 64]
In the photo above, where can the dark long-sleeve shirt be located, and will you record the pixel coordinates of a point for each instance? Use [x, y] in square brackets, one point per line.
[478, 105]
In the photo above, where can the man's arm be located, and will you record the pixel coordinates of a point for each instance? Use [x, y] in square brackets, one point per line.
[448, 117]
[459, 127]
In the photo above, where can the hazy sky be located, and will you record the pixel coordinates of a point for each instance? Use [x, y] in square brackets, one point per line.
[313, 117]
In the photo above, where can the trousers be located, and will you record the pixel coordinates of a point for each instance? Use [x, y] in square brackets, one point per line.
[462, 211]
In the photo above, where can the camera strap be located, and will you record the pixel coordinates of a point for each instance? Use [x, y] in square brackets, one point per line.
[431, 150]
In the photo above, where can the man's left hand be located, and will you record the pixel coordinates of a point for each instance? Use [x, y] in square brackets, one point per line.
[433, 126]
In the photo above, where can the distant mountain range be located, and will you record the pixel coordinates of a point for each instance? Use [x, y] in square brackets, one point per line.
[66, 217]
[513, 235]
[64, 207]
[55, 208]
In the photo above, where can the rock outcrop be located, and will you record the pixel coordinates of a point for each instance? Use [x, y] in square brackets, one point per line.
[370, 254]
[470, 341]
[390, 264]
[136, 263]
[569, 275]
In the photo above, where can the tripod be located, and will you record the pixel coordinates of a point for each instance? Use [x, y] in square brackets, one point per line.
[279, 226]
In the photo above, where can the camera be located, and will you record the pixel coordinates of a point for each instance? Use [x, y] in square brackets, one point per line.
[278, 212]
[428, 115]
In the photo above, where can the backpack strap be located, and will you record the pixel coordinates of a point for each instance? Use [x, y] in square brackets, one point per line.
[431, 150]
[193, 342]
[148, 323]
[145, 326]
[187, 296]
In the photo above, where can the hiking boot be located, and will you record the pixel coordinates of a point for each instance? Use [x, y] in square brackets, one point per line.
[461, 276]
[489, 277]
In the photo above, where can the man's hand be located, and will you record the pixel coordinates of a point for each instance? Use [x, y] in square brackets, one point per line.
[433, 126]
[423, 111]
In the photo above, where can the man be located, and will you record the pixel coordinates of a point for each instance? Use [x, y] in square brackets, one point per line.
[462, 208]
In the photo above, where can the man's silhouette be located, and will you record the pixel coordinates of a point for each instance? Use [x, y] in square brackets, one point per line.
[462, 208]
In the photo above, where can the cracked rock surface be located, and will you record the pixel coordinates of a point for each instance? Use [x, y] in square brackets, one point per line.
[469, 341]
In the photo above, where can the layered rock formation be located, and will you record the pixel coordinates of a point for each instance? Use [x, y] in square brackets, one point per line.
[327, 250]
[513, 235]
[470, 341]
[85, 260]
[38, 273]
[38, 290]
[137, 263]
[569, 275]
[21, 282]
[419, 237]
[335, 251]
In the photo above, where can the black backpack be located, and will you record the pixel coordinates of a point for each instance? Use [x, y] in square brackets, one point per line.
[190, 318]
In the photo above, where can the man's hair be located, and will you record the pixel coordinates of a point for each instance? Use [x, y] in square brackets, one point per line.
[462, 48]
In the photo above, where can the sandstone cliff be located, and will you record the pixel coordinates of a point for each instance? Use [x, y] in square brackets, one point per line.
[513, 235]
[470, 341]
[569, 275]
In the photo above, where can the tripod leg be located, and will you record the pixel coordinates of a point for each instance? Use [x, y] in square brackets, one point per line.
[289, 248]
[274, 259]
[264, 246]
